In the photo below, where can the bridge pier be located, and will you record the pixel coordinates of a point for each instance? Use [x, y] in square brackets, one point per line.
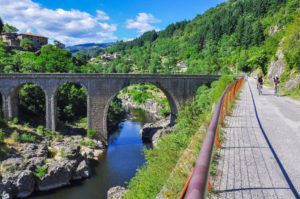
[9, 106]
[51, 111]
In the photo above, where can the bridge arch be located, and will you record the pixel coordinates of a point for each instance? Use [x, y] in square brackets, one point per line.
[76, 101]
[173, 102]
[31, 100]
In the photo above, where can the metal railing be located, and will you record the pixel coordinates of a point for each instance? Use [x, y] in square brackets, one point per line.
[197, 184]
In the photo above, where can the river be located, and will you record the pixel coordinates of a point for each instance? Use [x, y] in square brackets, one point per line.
[124, 155]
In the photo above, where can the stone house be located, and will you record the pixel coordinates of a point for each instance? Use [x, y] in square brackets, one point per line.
[11, 39]
[38, 40]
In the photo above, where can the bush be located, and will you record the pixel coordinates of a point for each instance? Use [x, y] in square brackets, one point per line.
[15, 120]
[91, 133]
[40, 130]
[62, 152]
[87, 143]
[26, 125]
[27, 137]
[2, 135]
[15, 136]
[40, 171]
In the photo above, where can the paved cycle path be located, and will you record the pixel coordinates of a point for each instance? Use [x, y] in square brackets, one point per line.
[260, 156]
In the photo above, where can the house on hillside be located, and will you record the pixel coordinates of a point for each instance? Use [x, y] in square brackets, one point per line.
[38, 40]
[11, 39]
[182, 66]
[107, 56]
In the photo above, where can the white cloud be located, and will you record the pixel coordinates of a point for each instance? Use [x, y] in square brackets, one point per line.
[68, 26]
[143, 22]
[102, 15]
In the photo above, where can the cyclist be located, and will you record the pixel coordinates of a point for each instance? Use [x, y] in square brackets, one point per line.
[260, 82]
[276, 82]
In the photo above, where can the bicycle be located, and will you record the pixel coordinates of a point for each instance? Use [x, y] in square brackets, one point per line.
[259, 88]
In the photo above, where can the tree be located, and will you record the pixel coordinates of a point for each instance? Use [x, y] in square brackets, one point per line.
[1, 25]
[9, 29]
[258, 33]
[26, 44]
[58, 44]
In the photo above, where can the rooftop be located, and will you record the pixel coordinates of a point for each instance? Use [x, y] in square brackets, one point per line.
[34, 35]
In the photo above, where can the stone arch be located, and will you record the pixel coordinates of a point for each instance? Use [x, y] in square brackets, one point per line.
[14, 92]
[173, 103]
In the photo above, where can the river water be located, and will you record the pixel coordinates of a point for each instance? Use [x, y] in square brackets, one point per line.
[124, 155]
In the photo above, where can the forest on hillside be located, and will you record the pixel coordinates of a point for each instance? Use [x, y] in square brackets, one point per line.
[237, 35]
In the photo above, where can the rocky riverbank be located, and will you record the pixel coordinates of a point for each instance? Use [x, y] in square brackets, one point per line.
[151, 132]
[47, 165]
[150, 105]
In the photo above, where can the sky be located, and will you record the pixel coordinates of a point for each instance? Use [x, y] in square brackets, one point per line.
[98, 21]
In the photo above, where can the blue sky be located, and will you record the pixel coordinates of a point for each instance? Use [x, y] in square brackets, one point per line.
[84, 21]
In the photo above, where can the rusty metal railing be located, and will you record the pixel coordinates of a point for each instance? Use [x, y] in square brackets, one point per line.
[197, 184]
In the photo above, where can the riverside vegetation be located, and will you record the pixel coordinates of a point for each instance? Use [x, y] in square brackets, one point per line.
[236, 36]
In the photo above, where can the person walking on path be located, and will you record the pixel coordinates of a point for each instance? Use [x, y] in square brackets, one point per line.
[276, 82]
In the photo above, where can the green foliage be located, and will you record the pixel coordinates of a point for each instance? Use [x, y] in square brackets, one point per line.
[15, 120]
[291, 45]
[41, 171]
[71, 101]
[26, 137]
[26, 44]
[87, 143]
[62, 152]
[116, 111]
[15, 136]
[32, 99]
[9, 29]
[91, 133]
[40, 130]
[1, 25]
[2, 136]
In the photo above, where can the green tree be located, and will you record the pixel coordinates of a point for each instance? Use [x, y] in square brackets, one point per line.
[26, 44]
[9, 29]
[1, 25]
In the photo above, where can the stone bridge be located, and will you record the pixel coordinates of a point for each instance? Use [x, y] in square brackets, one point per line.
[101, 89]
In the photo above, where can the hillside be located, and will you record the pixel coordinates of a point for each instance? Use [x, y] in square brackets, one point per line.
[91, 49]
[237, 35]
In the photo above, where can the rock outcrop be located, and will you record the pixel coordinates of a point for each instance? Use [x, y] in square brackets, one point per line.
[277, 66]
[151, 132]
[46, 165]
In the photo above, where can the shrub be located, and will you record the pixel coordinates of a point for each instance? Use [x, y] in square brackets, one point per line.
[15, 136]
[26, 125]
[87, 143]
[27, 137]
[62, 152]
[40, 171]
[2, 135]
[15, 120]
[40, 130]
[91, 133]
